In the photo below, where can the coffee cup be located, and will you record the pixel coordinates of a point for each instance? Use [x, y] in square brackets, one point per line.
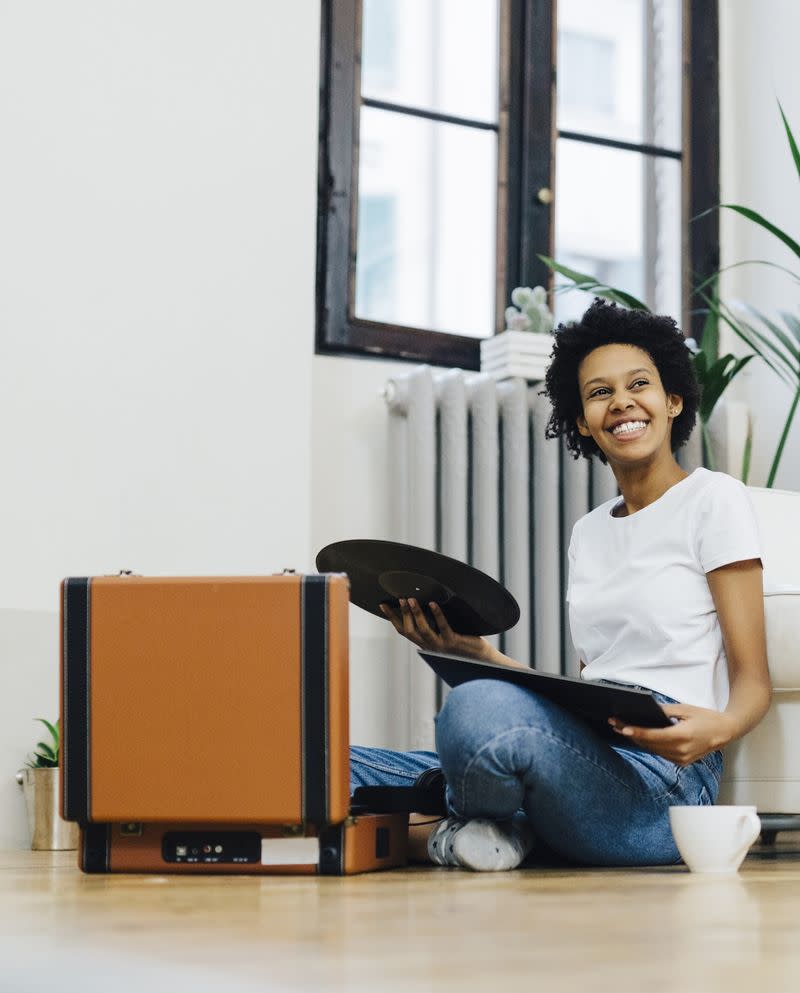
[714, 839]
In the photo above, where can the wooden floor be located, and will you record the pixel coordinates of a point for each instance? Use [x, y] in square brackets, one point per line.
[627, 931]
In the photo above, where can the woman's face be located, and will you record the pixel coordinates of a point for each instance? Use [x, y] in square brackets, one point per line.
[625, 408]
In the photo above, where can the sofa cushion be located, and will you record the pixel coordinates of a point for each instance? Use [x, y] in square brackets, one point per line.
[782, 611]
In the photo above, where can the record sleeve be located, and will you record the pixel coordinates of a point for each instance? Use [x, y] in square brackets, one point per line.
[592, 701]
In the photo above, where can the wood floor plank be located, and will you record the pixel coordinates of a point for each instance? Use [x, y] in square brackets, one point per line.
[656, 930]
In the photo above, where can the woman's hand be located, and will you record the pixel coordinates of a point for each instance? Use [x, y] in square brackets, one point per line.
[410, 621]
[697, 732]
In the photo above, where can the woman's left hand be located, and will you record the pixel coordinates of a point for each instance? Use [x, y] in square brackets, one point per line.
[696, 732]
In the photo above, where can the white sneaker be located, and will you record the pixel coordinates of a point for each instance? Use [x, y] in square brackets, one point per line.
[480, 844]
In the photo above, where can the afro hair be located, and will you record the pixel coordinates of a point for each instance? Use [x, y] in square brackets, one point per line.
[608, 324]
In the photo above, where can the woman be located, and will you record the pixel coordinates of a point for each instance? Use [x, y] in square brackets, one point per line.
[665, 593]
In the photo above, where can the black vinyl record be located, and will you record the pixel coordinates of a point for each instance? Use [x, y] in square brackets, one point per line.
[385, 571]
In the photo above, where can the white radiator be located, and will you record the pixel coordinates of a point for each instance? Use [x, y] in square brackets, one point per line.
[475, 478]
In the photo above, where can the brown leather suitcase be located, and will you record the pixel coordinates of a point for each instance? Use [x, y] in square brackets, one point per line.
[216, 702]
[363, 843]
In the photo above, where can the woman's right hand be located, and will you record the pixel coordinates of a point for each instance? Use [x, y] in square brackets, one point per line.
[410, 621]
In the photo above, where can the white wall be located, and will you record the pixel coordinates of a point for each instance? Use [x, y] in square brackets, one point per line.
[158, 205]
[350, 473]
[758, 58]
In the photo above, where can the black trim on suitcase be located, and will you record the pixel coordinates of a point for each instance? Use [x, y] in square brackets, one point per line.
[331, 851]
[314, 652]
[76, 771]
[97, 848]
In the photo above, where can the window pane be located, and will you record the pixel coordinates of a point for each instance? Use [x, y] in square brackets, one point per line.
[425, 253]
[619, 69]
[618, 218]
[436, 55]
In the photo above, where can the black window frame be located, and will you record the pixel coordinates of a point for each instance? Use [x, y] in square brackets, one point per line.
[525, 175]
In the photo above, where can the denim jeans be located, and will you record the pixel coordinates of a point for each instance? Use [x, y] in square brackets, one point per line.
[590, 797]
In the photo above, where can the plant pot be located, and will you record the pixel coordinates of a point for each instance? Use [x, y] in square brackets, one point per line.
[517, 353]
[48, 831]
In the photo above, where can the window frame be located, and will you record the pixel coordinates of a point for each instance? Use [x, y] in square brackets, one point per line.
[525, 176]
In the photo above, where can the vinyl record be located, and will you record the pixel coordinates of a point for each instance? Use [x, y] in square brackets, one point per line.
[385, 571]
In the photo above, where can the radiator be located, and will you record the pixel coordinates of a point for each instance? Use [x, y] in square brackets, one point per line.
[475, 478]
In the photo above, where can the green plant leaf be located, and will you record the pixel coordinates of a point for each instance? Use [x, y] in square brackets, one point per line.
[792, 142]
[782, 337]
[700, 364]
[47, 756]
[708, 450]
[52, 728]
[717, 381]
[713, 386]
[590, 284]
[42, 762]
[735, 265]
[710, 335]
[748, 450]
[757, 218]
[784, 435]
[573, 274]
[755, 340]
[792, 323]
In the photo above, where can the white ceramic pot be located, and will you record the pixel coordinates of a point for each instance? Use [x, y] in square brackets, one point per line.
[514, 354]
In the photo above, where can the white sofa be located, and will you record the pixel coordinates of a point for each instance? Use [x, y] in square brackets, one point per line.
[764, 767]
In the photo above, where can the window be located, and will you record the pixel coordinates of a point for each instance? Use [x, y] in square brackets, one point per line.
[449, 161]
[586, 58]
[619, 148]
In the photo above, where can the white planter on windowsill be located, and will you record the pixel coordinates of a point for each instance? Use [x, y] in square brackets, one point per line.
[524, 354]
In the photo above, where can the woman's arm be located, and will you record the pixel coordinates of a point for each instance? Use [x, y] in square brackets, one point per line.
[738, 594]
[737, 591]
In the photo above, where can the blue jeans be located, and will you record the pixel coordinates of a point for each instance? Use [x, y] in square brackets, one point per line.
[588, 798]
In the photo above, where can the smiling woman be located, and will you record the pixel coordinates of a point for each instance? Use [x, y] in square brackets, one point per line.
[665, 593]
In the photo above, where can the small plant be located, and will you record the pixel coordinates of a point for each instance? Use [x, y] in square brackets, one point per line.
[46, 755]
[530, 311]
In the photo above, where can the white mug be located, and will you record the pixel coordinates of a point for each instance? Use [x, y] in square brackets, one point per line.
[714, 839]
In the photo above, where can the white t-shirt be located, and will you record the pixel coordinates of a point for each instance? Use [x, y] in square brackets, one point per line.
[640, 607]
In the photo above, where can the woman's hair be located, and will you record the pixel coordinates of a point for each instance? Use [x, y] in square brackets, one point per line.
[607, 324]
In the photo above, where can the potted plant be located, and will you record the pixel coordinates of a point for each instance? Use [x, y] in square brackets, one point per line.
[524, 348]
[39, 781]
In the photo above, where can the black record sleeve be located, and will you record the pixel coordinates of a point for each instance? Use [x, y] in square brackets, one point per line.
[593, 702]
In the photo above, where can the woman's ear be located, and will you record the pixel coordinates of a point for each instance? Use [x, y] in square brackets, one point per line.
[582, 428]
[674, 404]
